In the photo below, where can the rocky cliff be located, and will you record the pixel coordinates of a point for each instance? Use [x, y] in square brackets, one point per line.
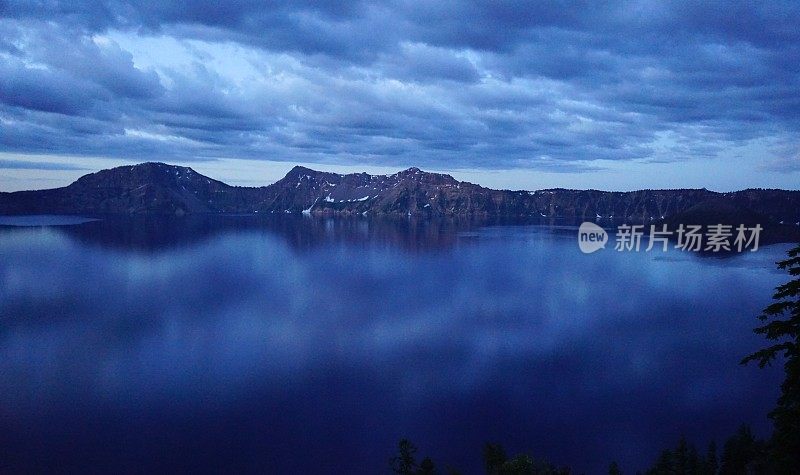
[157, 188]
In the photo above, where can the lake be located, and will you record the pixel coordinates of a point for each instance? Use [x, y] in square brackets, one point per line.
[301, 345]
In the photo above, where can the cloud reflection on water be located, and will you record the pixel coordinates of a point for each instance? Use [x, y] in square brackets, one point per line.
[507, 333]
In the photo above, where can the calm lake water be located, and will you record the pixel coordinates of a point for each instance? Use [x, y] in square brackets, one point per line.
[292, 345]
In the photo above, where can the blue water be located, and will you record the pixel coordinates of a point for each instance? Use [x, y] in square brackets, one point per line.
[295, 345]
[43, 220]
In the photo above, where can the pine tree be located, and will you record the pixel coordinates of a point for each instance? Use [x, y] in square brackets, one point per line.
[426, 467]
[783, 327]
[711, 463]
[404, 463]
[494, 456]
[742, 453]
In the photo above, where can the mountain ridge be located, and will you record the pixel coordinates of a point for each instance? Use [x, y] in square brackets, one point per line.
[159, 188]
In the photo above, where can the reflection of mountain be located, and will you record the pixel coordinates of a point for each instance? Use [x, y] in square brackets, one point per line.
[240, 354]
[156, 188]
[158, 233]
[720, 211]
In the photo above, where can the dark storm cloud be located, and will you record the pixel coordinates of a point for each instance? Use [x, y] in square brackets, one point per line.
[483, 84]
[422, 63]
[31, 165]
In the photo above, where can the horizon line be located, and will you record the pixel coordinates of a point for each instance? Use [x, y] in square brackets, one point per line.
[90, 171]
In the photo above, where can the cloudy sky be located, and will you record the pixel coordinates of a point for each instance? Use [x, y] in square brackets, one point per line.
[510, 94]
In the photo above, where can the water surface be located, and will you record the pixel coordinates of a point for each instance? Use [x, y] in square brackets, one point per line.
[289, 345]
